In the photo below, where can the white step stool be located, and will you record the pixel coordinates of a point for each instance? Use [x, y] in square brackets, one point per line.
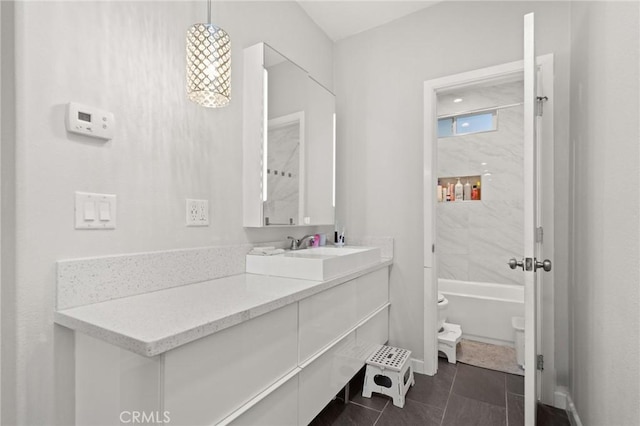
[389, 372]
[448, 340]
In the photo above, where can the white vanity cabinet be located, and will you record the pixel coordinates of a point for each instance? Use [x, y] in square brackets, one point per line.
[280, 368]
[331, 313]
[279, 407]
[323, 378]
[199, 383]
[204, 381]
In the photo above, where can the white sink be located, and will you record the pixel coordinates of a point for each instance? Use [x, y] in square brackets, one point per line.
[318, 263]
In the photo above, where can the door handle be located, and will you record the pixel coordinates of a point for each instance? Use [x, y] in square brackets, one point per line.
[545, 264]
[513, 263]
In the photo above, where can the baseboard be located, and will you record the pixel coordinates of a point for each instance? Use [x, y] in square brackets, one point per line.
[560, 398]
[418, 365]
[572, 413]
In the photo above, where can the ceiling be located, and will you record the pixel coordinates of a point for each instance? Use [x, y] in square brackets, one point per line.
[343, 18]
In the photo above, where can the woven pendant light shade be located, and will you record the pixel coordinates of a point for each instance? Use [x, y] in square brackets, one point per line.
[208, 65]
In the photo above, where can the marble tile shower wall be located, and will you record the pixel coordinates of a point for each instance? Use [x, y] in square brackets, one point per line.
[476, 238]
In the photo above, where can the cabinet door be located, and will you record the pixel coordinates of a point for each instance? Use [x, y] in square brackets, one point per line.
[279, 408]
[325, 376]
[320, 155]
[373, 292]
[208, 379]
[325, 316]
[373, 333]
[112, 383]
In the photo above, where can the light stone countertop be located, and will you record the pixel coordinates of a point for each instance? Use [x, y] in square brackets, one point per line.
[152, 323]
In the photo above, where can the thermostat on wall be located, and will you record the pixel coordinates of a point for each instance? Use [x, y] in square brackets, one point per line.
[90, 121]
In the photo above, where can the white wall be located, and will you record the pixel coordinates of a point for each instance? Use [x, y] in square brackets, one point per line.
[379, 87]
[129, 58]
[604, 290]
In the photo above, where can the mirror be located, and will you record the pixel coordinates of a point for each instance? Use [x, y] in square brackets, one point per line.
[288, 143]
[285, 161]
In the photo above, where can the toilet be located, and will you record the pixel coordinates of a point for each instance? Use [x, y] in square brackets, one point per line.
[442, 311]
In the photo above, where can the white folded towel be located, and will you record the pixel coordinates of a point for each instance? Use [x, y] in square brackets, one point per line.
[264, 248]
[265, 251]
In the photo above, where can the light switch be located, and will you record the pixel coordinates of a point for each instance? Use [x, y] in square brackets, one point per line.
[105, 211]
[95, 211]
[89, 211]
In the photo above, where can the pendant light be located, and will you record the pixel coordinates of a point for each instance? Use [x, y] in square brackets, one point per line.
[208, 64]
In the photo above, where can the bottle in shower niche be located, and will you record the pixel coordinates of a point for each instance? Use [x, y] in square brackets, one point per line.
[439, 191]
[467, 191]
[459, 191]
[479, 191]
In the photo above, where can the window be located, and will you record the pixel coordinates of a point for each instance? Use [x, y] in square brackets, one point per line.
[445, 127]
[486, 121]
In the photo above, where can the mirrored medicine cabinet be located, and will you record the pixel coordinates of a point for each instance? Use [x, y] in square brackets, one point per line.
[288, 143]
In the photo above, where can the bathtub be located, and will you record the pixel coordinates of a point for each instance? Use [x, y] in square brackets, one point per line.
[484, 310]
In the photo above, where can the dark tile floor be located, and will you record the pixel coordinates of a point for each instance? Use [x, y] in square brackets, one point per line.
[459, 395]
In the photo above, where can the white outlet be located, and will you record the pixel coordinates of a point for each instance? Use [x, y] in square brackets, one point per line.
[197, 212]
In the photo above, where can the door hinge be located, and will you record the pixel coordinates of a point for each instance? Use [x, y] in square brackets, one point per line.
[540, 362]
[540, 102]
[433, 248]
[539, 234]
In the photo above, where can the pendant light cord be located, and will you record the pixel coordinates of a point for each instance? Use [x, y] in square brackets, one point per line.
[209, 11]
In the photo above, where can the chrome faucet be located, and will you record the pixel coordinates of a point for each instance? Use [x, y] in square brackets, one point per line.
[300, 244]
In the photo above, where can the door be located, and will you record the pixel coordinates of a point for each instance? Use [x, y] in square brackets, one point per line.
[528, 69]
[532, 249]
[530, 263]
[530, 210]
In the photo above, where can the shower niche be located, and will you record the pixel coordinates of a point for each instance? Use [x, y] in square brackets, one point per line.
[471, 188]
